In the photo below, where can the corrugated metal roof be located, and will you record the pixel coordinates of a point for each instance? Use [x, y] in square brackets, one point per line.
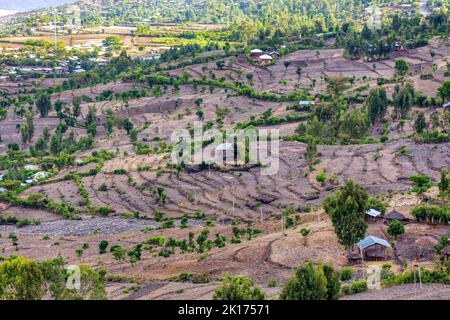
[373, 213]
[371, 240]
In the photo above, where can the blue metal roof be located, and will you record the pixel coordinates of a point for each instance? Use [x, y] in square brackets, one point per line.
[373, 213]
[371, 240]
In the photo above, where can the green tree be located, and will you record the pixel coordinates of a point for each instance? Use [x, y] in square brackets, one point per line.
[128, 125]
[21, 279]
[354, 124]
[76, 106]
[336, 85]
[113, 42]
[420, 123]
[346, 209]
[220, 64]
[444, 183]
[435, 120]
[24, 133]
[403, 100]
[377, 104]
[444, 90]
[401, 67]
[237, 288]
[311, 152]
[333, 283]
[306, 283]
[109, 124]
[102, 246]
[30, 124]
[92, 286]
[395, 228]
[43, 104]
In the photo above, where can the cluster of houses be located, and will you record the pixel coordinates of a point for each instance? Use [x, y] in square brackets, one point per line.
[373, 248]
[260, 57]
[33, 178]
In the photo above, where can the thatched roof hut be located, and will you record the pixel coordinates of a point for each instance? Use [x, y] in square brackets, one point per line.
[445, 253]
[426, 242]
[425, 246]
[395, 215]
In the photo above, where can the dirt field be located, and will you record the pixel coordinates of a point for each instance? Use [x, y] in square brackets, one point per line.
[228, 193]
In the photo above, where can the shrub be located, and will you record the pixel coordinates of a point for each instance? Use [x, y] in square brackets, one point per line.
[359, 286]
[306, 283]
[159, 240]
[167, 224]
[346, 289]
[159, 215]
[421, 183]
[237, 288]
[102, 246]
[104, 211]
[321, 177]
[272, 283]
[346, 274]
[118, 252]
[120, 171]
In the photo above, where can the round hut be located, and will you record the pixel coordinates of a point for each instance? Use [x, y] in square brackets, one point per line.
[425, 246]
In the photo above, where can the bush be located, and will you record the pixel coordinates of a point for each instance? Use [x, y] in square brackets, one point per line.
[159, 240]
[21, 279]
[359, 286]
[102, 246]
[346, 290]
[159, 215]
[272, 283]
[421, 183]
[237, 288]
[346, 274]
[120, 171]
[104, 211]
[321, 177]
[306, 283]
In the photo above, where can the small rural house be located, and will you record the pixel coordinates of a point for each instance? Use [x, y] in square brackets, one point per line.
[265, 58]
[32, 167]
[395, 215]
[425, 247]
[256, 53]
[373, 215]
[445, 253]
[446, 105]
[374, 249]
[306, 103]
